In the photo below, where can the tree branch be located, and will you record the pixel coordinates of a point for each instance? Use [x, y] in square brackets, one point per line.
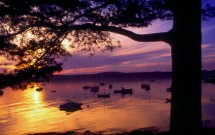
[163, 36]
[89, 11]
[16, 33]
[152, 37]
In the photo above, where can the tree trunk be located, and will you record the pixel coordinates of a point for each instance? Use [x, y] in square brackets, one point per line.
[186, 67]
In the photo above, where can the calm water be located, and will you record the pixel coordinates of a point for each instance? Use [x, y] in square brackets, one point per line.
[30, 111]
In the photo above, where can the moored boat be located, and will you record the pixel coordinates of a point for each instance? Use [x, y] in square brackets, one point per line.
[39, 89]
[86, 87]
[71, 106]
[146, 87]
[124, 91]
[103, 95]
[94, 89]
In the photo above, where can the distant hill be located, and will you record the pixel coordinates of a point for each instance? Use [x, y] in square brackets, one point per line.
[135, 74]
[157, 74]
[115, 75]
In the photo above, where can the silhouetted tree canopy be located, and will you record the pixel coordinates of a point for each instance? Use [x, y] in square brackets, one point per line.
[33, 32]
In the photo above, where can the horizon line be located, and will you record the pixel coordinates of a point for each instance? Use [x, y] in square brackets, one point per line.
[108, 72]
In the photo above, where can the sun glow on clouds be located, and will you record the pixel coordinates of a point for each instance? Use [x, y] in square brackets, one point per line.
[133, 56]
[130, 63]
[127, 66]
[67, 45]
[141, 48]
[208, 56]
[6, 65]
[86, 70]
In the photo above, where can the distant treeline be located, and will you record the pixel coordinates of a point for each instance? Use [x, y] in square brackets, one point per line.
[132, 76]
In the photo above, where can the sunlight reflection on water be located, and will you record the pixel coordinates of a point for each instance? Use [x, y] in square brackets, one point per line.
[31, 111]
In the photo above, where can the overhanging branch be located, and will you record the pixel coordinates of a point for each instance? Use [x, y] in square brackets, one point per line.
[152, 37]
[16, 33]
[163, 36]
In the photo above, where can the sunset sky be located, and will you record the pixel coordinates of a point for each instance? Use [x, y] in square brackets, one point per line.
[140, 56]
[136, 56]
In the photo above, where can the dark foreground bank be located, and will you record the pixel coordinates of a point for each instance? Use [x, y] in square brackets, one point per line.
[205, 131]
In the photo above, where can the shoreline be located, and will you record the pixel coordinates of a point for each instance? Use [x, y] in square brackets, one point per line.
[144, 131]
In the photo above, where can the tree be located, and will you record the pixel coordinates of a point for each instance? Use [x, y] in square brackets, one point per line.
[32, 33]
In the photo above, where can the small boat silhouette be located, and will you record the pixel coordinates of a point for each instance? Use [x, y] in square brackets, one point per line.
[103, 95]
[146, 87]
[39, 89]
[124, 91]
[86, 87]
[94, 88]
[70, 106]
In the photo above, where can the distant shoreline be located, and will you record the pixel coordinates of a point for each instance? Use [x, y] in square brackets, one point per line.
[125, 76]
[118, 75]
[144, 131]
[205, 74]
